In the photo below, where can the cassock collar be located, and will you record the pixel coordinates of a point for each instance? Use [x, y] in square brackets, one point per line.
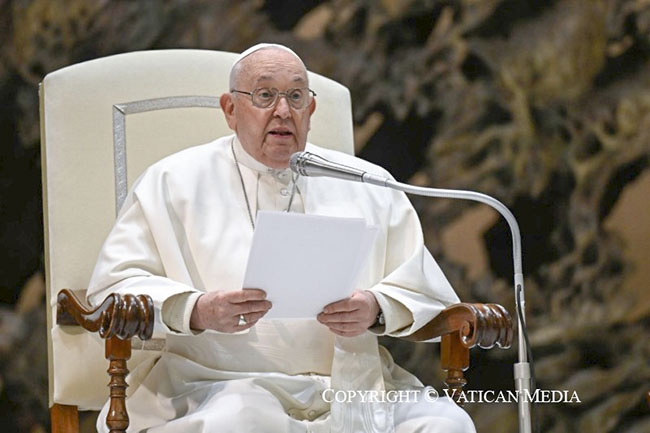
[281, 175]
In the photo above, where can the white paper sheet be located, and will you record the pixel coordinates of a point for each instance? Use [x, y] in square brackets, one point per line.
[305, 262]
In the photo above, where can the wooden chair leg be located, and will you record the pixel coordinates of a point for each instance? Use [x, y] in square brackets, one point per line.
[117, 352]
[454, 358]
[64, 418]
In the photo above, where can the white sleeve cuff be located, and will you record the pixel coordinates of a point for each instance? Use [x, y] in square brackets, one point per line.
[396, 315]
[177, 310]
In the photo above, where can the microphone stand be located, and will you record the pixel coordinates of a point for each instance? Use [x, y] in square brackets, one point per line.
[309, 164]
[522, 371]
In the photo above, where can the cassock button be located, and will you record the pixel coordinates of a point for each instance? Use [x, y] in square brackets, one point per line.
[284, 192]
[311, 414]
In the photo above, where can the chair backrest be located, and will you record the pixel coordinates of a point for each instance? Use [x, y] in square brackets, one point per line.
[102, 123]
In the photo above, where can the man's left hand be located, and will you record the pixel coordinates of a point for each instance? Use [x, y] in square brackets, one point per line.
[351, 316]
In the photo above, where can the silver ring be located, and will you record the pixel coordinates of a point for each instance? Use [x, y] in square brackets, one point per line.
[242, 320]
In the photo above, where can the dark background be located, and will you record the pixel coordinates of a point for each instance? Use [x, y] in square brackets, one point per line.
[544, 104]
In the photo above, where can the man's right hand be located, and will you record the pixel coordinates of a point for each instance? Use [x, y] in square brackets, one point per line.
[220, 311]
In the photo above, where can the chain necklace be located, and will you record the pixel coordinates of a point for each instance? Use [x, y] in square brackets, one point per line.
[294, 177]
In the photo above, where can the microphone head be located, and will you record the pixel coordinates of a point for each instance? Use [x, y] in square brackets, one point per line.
[311, 164]
[294, 161]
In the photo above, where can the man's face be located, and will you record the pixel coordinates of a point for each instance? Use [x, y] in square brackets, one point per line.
[271, 135]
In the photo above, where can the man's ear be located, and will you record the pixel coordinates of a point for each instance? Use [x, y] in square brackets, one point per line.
[228, 107]
[312, 106]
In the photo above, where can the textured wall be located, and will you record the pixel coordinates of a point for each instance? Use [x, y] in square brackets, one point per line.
[544, 104]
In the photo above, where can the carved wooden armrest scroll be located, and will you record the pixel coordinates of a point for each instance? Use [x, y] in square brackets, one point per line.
[122, 316]
[461, 327]
[118, 319]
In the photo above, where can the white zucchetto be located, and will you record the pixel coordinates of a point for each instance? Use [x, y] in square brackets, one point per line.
[262, 46]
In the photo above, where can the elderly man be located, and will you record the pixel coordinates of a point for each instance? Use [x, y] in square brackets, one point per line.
[183, 236]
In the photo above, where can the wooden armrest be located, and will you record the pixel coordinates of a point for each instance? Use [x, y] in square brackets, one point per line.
[485, 325]
[118, 319]
[122, 316]
[461, 327]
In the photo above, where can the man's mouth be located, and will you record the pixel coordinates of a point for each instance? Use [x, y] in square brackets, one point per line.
[280, 132]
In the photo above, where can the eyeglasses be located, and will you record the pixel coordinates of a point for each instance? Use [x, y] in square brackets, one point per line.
[265, 97]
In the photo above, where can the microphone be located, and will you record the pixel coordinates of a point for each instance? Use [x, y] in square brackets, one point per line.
[310, 164]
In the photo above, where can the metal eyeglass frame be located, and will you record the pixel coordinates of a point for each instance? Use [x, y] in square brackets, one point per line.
[278, 94]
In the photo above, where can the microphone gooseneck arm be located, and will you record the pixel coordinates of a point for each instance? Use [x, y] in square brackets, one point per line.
[309, 164]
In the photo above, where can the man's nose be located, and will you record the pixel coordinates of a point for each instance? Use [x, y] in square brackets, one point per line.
[282, 108]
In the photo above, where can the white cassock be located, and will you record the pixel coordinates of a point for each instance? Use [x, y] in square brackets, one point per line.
[185, 229]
